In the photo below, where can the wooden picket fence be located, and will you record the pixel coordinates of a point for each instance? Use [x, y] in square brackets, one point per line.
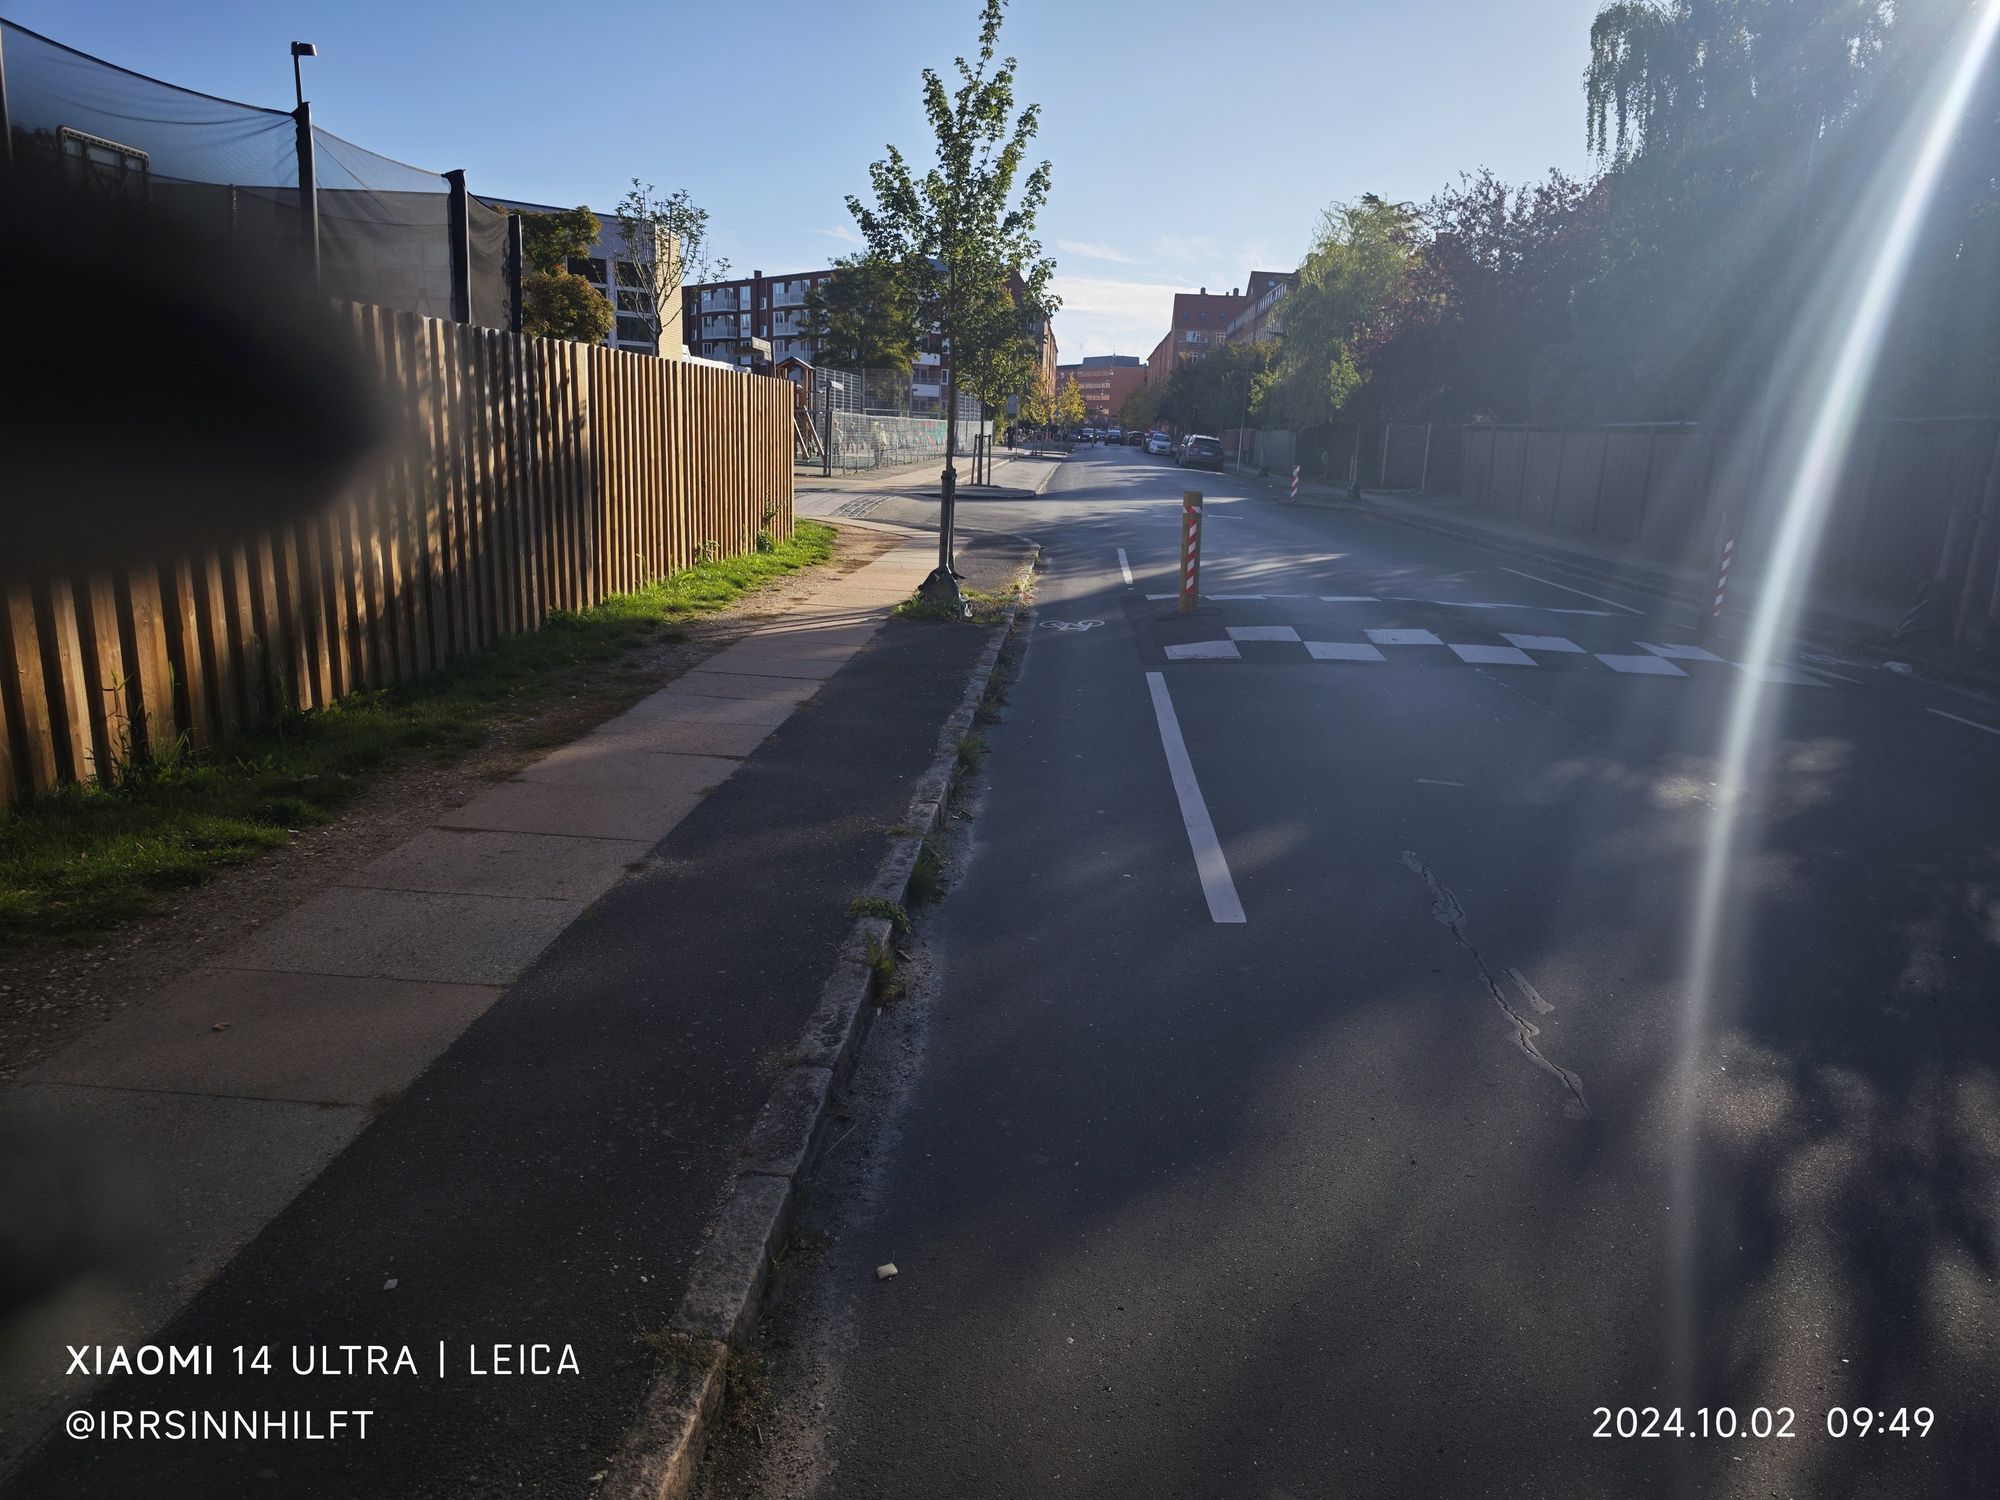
[542, 476]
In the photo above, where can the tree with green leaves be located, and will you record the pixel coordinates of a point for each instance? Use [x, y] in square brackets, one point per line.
[1142, 408]
[556, 303]
[1038, 400]
[1334, 313]
[1070, 410]
[863, 316]
[664, 240]
[963, 233]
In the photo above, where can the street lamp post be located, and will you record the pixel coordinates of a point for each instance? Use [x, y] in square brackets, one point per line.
[308, 171]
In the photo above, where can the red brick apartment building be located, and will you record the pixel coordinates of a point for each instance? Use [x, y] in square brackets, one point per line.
[1199, 322]
[1106, 382]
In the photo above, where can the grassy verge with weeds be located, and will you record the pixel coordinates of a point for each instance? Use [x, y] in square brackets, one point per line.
[985, 607]
[75, 862]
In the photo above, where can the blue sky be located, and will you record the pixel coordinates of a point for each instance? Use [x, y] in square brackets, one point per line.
[1193, 141]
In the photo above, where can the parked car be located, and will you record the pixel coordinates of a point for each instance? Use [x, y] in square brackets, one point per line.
[1135, 439]
[1200, 452]
[1160, 443]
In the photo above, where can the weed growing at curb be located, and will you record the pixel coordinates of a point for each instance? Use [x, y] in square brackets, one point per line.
[746, 1389]
[927, 876]
[971, 753]
[881, 906]
[81, 859]
[882, 963]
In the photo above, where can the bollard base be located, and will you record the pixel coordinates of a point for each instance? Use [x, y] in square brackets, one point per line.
[941, 587]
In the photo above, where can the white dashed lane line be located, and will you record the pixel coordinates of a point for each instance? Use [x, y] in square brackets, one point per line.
[1643, 666]
[1402, 638]
[1125, 567]
[1216, 884]
[1968, 723]
[1543, 642]
[1580, 593]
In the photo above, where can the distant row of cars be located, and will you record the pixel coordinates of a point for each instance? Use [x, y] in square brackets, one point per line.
[1195, 451]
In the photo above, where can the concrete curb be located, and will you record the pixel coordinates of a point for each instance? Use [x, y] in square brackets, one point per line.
[726, 1285]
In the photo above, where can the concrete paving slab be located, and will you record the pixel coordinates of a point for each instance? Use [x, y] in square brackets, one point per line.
[407, 935]
[765, 663]
[719, 682]
[254, 1034]
[582, 812]
[194, 1175]
[622, 765]
[687, 737]
[490, 862]
[818, 642]
[693, 708]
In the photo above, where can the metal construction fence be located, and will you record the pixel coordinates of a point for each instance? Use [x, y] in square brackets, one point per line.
[538, 475]
[877, 419]
[1910, 499]
[229, 175]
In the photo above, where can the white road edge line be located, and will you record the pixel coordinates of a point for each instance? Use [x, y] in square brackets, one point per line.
[1216, 885]
[1578, 592]
[1125, 567]
[1968, 723]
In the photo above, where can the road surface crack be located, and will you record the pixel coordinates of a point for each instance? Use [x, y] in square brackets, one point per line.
[1447, 912]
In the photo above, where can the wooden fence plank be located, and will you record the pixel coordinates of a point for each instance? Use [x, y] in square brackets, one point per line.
[154, 727]
[31, 733]
[184, 655]
[63, 662]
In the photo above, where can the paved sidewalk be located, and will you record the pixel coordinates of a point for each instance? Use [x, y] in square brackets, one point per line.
[207, 1108]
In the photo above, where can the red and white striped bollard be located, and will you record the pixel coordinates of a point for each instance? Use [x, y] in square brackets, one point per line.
[1190, 550]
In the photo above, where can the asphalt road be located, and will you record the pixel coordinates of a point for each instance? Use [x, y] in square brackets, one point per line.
[1295, 1106]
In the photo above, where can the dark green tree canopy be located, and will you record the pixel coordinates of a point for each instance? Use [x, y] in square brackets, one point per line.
[864, 316]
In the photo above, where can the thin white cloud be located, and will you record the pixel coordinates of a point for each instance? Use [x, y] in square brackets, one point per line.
[843, 233]
[1106, 315]
[1099, 251]
[1183, 247]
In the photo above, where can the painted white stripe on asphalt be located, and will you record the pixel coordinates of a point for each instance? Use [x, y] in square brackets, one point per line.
[1402, 638]
[1494, 656]
[1216, 885]
[1643, 666]
[1232, 596]
[1347, 599]
[1205, 651]
[1968, 723]
[1427, 781]
[1568, 590]
[1674, 651]
[1163, 596]
[1542, 642]
[1262, 633]
[1774, 672]
[1550, 609]
[1125, 567]
[1342, 651]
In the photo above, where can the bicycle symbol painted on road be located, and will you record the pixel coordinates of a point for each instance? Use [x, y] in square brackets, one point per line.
[1069, 624]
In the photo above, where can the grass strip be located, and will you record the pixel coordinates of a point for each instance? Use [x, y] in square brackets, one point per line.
[78, 861]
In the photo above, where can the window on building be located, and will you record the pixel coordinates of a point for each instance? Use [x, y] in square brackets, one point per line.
[589, 267]
[633, 330]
